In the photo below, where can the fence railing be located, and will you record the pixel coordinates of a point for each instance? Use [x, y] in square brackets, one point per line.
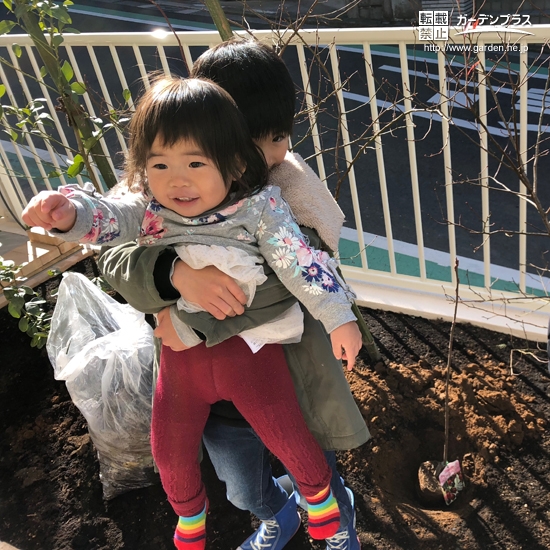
[400, 131]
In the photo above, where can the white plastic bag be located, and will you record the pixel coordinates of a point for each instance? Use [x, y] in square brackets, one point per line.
[104, 352]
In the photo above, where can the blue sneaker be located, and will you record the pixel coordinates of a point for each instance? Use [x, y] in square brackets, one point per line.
[345, 539]
[274, 533]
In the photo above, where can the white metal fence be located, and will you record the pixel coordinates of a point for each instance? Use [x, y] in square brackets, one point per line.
[408, 140]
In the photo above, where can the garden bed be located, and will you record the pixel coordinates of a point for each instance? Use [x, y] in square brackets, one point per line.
[51, 497]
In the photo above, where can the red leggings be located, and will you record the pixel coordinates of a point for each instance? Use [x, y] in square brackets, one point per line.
[261, 388]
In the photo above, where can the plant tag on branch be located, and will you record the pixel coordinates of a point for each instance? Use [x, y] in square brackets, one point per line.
[451, 481]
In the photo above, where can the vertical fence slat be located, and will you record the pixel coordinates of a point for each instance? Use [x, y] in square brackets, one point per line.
[523, 89]
[90, 108]
[30, 142]
[348, 154]
[369, 67]
[412, 157]
[312, 116]
[106, 96]
[16, 146]
[448, 167]
[121, 76]
[141, 67]
[484, 172]
[54, 115]
[17, 198]
[163, 60]
[188, 57]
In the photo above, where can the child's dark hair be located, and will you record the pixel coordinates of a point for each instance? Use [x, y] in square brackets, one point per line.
[198, 110]
[257, 79]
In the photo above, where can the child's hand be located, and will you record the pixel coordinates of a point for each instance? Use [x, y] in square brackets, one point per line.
[166, 332]
[210, 288]
[50, 210]
[346, 342]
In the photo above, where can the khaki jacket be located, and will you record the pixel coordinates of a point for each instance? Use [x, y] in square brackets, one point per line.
[321, 387]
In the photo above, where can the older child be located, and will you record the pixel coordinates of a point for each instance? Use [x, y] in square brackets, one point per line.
[261, 84]
[203, 183]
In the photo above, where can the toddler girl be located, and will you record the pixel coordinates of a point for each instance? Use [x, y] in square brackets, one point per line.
[201, 181]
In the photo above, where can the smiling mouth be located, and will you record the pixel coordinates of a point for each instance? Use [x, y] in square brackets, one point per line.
[185, 199]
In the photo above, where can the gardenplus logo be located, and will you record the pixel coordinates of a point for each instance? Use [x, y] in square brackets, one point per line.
[495, 23]
[434, 25]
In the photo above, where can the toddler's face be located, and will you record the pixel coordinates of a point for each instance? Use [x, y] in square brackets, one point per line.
[274, 147]
[182, 179]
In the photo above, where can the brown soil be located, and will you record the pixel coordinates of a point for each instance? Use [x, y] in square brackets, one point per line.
[51, 496]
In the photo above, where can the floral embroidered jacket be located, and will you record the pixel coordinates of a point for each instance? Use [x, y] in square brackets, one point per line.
[262, 225]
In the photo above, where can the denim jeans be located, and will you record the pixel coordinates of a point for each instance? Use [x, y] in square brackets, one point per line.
[242, 462]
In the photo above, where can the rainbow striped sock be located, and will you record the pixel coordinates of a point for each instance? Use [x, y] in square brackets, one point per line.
[323, 514]
[191, 531]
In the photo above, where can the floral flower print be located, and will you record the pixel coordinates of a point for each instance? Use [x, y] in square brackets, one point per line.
[232, 208]
[329, 283]
[151, 227]
[155, 206]
[244, 236]
[261, 229]
[313, 289]
[103, 230]
[313, 272]
[284, 237]
[283, 258]
[304, 256]
[92, 235]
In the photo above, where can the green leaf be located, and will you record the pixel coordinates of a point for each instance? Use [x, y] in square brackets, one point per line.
[43, 71]
[16, 50]
[34, 342]
[9, 291]
[6, 26]
[126, 94]
[70, 30]
[76, 167]
[78, 88]
[67, 71]
[2, 90]
[20, 9]
[62, 14]
[18, 303]
[68, 3]
[54, 174]
[8, 4]
[12, 133]
[89, 143]
[57, 40]
[27, 290]
[13, 311]
[23, 324]
[44, 116]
